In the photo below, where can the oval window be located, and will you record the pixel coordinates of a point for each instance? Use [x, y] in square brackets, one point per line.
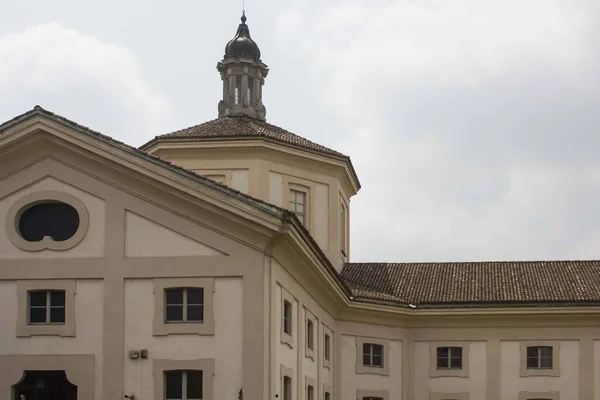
[54, 219]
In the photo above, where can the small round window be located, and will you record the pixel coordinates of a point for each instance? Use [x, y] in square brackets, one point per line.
[47, 220]
[54, 219]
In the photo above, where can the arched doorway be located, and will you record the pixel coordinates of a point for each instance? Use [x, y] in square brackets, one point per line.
[45, 385]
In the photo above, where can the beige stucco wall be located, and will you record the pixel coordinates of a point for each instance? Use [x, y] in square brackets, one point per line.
[567, 383]
[295, 357]
[474, 384]
[225, 346]
[92, 244]
[88, 321]
[159, 241]
[351, 380]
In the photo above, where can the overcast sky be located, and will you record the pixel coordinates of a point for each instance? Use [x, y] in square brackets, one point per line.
[474, 125]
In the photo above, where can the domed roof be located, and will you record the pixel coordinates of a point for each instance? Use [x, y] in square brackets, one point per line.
[242, 45]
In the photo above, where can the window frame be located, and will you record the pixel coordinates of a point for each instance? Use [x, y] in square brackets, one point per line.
[327, 389]
[310, 382]
[343, 230]
[554, 371]
[206, 365]
[31, 199]
[304, 185]
[289, 373]
[163, 328]
[362, 393]
[303, 217]
[327, 331]
[309, 319]
[366, 369]
[287, 338]
[448, 395]
[184, 305]
[525, 395]
[47, 306]
[25, 329]
[184, 380]
[435, 372]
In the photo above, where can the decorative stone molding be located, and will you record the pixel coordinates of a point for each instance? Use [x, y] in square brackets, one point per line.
[539, 395]
[162, 328]
[32, 199]
[24, 329]
[365, 369]
[383, 394]
[434, 372]
[206, 365]
[78, 368]
[554, 371]
[448, 395]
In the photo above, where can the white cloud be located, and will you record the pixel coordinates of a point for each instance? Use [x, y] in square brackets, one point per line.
[471, 123]
[51, 65]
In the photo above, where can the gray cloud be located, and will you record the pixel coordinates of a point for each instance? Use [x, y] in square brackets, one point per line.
[472, 125]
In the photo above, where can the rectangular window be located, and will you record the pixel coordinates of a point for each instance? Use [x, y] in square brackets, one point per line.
[184, 305]
[449, 358]
[539, 357]
[327, 347]
[183, 385]
[238, 90]
[250, 92]
[310, 393]
[298, 204]
[343, 230]
[287, 388]
[46, 307]
[373, 355]
[309, 334]
[287, 317]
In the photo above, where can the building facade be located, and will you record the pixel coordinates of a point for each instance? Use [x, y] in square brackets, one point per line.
[214, 263]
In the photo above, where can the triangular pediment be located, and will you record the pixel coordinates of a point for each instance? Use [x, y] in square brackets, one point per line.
[146, 238]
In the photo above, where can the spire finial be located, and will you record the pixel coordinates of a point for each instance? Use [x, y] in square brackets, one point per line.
[244, 16]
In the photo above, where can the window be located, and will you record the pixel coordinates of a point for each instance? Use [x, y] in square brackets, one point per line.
[250, 92]
[327, 347]
[183, 379]
[298, 204]
[373, 355]
[449, 357]
[183, 385]
[310, 393]
[47, 220]
[539, 357]
[184, 305]
[238, 90]
[327, 396]
[343, 229]
[539, 395]
[372, 394]
[287, 388]
[287, 317]
[46, 307]
[309, 334]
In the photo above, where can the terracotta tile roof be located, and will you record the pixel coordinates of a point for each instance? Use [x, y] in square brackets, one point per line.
[245, 128]
[37, 110]
[476, 283]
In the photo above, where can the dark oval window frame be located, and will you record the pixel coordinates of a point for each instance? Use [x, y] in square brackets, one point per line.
[30, 200]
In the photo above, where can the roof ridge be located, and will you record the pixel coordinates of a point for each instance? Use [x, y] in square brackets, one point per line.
[388, 263]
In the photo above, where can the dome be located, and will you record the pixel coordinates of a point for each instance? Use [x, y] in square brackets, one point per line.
[242, 46]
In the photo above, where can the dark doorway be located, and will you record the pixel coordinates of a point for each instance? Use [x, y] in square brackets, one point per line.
[45, 385]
